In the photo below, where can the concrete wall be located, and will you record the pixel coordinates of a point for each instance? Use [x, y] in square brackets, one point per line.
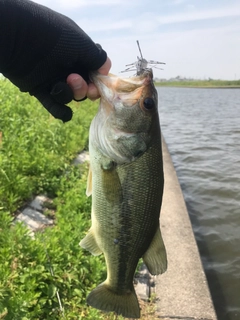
[182, 292]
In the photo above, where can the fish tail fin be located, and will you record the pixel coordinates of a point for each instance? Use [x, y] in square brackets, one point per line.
[105, 299]
[155, 257]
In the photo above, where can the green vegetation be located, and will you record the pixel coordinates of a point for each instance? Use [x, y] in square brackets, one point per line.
[35, 157]
[201, 83]
[35, 148]
[36, 152]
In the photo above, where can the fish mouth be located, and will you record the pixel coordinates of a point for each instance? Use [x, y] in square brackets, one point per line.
[113, 80]
[112, 87]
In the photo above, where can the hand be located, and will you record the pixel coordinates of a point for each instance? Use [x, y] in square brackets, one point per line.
[40, 49]
[80, 87]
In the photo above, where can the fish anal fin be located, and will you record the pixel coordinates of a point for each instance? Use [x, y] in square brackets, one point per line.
[105, 299]
[89, 243]
[155, 257]
[89, 183]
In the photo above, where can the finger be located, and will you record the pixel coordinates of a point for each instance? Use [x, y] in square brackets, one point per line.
[93, 92]
[105, 67]
[62, 93]
[78, 86]
[58, 110]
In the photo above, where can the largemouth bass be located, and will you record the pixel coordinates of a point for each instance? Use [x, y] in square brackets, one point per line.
[126, 184]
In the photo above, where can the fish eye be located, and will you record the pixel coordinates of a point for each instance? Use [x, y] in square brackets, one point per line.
[148, 103]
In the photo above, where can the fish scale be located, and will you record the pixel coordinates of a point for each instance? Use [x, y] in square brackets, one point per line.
[126, 184]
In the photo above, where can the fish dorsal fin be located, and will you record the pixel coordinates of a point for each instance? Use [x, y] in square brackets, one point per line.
[89, 183]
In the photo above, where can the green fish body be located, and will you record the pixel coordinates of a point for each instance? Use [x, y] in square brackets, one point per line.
[126, 184]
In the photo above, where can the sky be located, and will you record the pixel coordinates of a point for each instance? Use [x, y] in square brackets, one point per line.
[197, 39]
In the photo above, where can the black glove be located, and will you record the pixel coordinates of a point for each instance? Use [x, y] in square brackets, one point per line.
[39, 48]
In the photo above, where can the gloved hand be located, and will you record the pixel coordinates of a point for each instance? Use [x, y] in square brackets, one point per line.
[39, 48]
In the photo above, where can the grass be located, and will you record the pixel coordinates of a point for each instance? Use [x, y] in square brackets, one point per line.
[36, 152]
[201, 83]
[35, 148]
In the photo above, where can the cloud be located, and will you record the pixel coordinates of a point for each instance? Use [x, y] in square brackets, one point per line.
[104, 25]
[90, 3]
[148, 22]
[178, 2]
[80, 3]
[194, 15]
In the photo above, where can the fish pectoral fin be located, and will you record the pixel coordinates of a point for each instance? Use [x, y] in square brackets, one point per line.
[89, 243]
[105, 299]
[89, 183]
[111, 186]
[155, 257]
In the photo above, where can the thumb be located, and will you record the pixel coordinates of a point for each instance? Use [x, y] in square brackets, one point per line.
[58, 110]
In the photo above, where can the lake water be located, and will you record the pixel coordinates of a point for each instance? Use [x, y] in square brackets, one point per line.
[202, 131]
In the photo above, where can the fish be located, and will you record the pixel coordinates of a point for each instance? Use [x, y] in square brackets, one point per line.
[126, 183]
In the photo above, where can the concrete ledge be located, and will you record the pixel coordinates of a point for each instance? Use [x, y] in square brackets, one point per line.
[182, 292]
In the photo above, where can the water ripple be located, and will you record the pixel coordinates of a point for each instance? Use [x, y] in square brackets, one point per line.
[201, 128]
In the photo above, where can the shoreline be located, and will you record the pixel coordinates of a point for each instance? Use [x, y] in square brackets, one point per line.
[195, 87]
[182, 292]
